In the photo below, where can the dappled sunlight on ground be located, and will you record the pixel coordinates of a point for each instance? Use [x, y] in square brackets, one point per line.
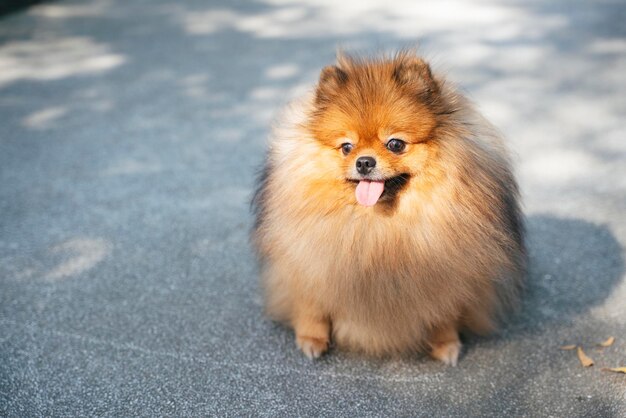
[50, 59]
[70, 11]
[66, 260]
[41, 119]
[407, 19]
[81, 255]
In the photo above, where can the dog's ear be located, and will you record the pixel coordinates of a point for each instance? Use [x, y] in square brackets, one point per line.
[415, 73]
[331, 80]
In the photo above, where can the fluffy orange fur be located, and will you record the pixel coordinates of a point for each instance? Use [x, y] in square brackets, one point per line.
[440, 253]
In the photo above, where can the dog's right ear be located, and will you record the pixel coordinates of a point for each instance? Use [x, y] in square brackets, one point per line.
[415, 73]
[332, 79]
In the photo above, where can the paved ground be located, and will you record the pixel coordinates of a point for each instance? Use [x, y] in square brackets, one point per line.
[130, 133]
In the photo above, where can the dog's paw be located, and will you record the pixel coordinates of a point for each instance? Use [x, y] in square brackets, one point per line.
[312, 347]
[446, 352]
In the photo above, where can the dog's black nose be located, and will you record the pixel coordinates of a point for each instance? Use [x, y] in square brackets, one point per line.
[365, 164]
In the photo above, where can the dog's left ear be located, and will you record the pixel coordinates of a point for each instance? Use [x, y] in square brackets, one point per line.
[332, 79]
[415, 73]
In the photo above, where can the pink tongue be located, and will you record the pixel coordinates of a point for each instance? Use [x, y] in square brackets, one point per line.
[368, 192]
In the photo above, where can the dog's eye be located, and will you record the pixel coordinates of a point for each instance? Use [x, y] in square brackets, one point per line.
[396, 145]
[346, 148]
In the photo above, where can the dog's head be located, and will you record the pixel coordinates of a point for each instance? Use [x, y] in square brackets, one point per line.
[378, 116]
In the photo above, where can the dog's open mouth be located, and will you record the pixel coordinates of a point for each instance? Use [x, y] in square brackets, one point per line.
[369, 192]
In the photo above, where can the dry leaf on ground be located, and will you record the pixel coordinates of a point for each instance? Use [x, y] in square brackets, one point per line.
[615, 369]
[609, 342]
[585, 360]
[569, 347]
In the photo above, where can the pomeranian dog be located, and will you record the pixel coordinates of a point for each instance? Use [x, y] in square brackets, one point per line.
[387, 214]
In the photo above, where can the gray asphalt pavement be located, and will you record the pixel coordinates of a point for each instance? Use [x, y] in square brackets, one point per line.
[130, 134]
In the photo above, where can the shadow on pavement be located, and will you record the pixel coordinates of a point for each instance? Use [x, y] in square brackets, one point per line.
[574, 265]
[13, 6]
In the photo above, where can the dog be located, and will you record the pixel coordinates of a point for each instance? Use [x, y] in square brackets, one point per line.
[387, 215]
